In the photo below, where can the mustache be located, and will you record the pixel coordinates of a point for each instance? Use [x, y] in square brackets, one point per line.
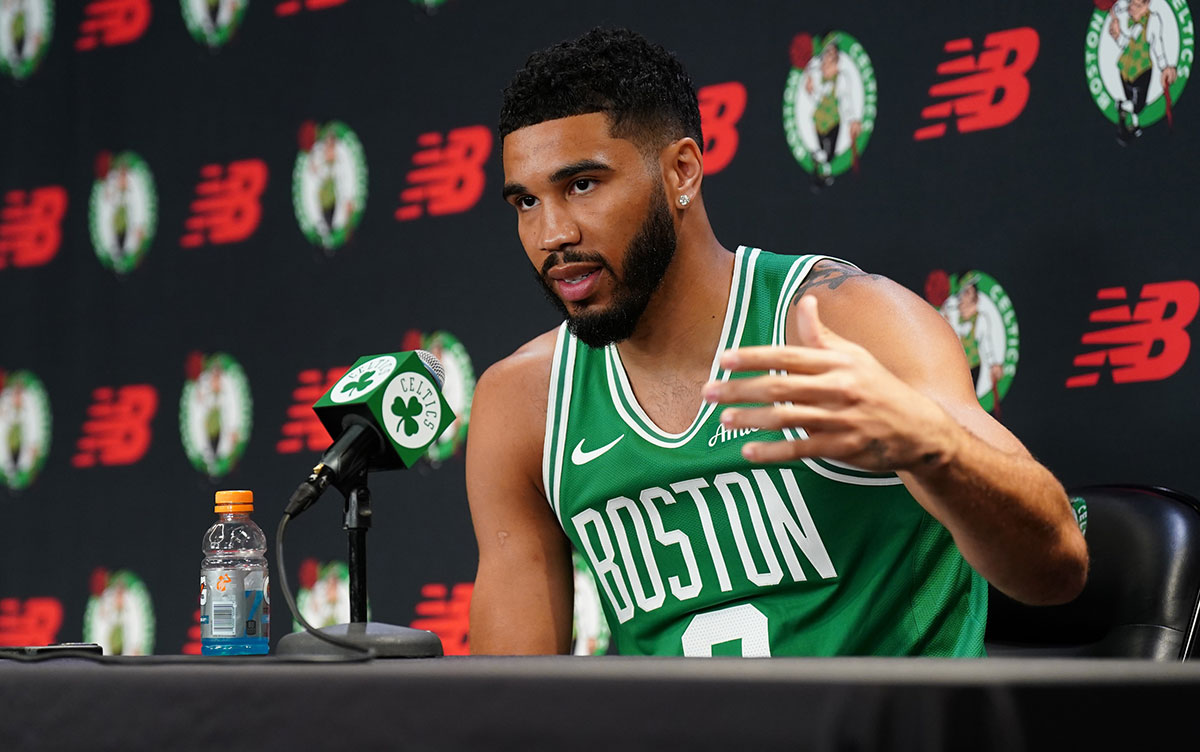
[572, 256]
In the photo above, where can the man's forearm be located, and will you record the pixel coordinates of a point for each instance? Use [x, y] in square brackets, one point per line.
[997, 504]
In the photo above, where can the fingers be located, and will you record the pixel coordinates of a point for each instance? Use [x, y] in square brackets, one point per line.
[779, 417]
[790, 359]
[820, 389]
[810, 332]
[784, 451]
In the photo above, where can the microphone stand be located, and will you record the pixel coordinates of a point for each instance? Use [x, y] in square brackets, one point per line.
[385, 640]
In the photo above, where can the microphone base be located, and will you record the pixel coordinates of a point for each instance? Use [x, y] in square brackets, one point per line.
[387, 640]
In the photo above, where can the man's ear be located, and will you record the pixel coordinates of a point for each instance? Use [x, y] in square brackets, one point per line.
[683, 169]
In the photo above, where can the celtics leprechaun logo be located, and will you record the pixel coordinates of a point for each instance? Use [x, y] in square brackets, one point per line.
[25, 30]
[329, 183]
[123, 212]
[215, 413]
[829, 104]
[24, 428]
[1137, 59]
[981, 313]
[119, 616]
[213, 22]
[323, 598]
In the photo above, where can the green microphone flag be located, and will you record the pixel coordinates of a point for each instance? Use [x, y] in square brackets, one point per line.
[400, 394]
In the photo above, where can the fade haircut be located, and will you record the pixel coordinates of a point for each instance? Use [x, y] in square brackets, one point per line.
[643, 89]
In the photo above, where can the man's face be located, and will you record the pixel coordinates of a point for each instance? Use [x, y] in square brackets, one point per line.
[593, 219]
[1138, 9]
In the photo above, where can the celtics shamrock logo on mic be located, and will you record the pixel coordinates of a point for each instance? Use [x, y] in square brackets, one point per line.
[413, 409]
[408, 411]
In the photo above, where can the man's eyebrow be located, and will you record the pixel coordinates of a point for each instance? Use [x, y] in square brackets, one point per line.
[573, 169]
[511, 189]
[563, 173]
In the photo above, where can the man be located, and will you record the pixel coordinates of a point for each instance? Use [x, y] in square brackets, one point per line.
[713, 531]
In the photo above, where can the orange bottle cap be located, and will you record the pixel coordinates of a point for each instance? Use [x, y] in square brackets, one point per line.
[234, 501]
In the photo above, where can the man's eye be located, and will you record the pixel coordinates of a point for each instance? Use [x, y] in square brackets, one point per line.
[526, 202]
[582, 185]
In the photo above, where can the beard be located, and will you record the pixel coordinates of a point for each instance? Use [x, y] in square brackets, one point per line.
[644, 265]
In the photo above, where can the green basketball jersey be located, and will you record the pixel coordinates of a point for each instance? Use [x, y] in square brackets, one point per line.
[697, 551]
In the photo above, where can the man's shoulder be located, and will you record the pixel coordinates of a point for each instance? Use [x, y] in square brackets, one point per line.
[508, 417]
[899, 328]
[839, 284]
[508, 414]
[872, 309]
[521, 379]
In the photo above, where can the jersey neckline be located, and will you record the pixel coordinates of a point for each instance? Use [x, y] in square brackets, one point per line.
[621, 391]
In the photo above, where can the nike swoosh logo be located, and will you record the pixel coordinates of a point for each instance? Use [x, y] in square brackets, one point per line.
[580, 457]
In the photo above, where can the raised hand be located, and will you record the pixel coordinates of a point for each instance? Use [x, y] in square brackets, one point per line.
[853, 408]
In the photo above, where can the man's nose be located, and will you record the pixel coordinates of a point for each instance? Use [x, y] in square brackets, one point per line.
[559, 228]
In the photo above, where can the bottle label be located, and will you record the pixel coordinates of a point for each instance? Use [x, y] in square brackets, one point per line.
[234, 605]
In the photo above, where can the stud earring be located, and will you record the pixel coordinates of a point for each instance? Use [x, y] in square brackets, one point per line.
[684, 201]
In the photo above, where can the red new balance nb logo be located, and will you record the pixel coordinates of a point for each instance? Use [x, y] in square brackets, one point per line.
[227, 208]
[117, 429]
[987, 92]
[31, 226]
[109, 23]
[1149, 342]
[447, 175]
[292, 7]
[34, 622]
[303, 429]
[447, 616]
[193, 646]
[721, 107]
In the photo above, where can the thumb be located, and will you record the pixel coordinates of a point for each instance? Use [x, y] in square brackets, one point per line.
[807, 329]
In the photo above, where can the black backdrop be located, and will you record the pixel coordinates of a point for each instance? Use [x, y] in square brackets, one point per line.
[1049, 205]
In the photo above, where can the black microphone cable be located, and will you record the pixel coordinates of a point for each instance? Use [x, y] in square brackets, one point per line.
[291, 601]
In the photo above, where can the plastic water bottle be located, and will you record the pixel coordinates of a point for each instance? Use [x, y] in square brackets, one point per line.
[235, 604]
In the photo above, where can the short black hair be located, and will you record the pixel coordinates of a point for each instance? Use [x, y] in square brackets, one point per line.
[643, 89]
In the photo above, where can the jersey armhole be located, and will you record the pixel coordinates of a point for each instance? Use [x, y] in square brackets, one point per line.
[558, 403]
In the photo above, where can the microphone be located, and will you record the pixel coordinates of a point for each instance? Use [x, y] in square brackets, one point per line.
[384, 413]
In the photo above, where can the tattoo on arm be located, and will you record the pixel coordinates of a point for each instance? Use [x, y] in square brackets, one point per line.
[829, 274]
[878, 450]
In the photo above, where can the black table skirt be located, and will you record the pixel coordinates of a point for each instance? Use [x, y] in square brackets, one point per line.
[612, 703]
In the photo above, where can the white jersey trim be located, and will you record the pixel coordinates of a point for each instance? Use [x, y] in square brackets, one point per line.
[551, 414]
[564, 420]
[557, 411]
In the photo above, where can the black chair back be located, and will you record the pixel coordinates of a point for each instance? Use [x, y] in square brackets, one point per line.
[1142, 597]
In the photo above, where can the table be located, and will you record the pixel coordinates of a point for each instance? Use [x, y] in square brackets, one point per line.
[599, 703]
